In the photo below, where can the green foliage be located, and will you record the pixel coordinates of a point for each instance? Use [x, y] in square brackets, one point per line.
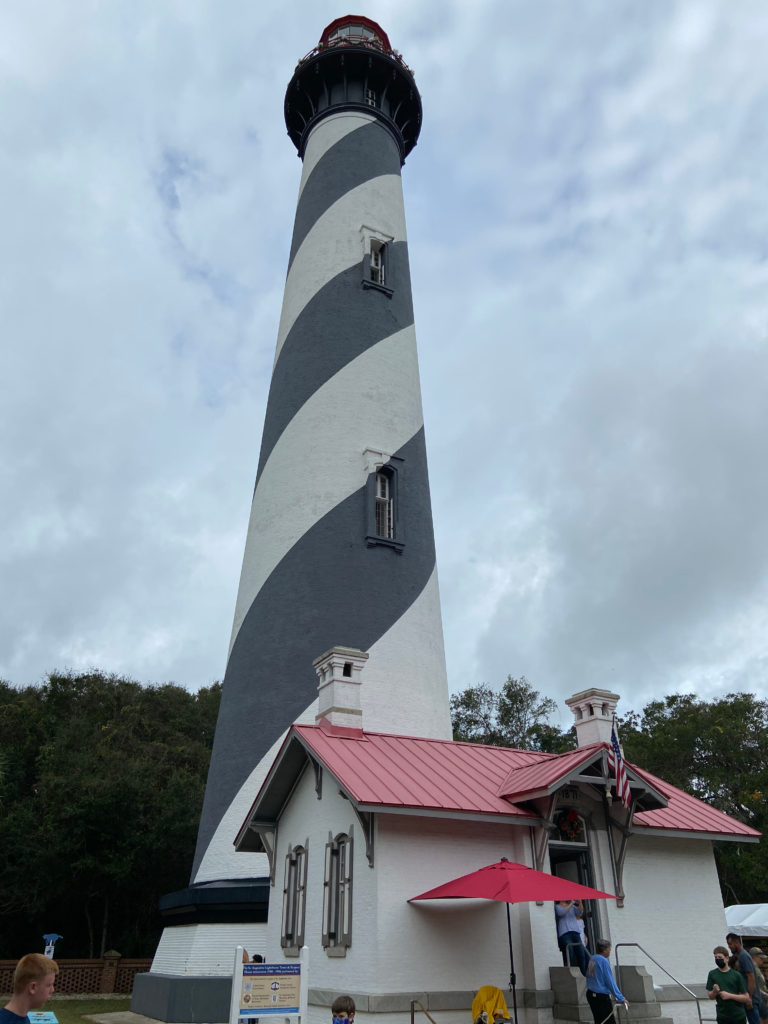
[103, 786]
[515, 716]
[717, 751]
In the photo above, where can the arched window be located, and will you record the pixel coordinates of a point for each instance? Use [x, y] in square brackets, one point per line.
[294, 898]
[570, 827]
[337, 895]
[384, 494]
[377, 246]
[384, 512]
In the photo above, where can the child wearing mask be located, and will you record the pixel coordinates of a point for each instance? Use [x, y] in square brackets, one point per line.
[728, 988]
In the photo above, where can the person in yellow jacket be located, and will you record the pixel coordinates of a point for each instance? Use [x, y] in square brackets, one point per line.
[489, 1006]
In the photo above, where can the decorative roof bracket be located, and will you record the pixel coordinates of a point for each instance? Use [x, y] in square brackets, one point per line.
[540, 836]
[267, 833]
[367, 821]
[318, 770]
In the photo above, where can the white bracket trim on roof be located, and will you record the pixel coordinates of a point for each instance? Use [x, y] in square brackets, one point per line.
[367, 824]
[318, 770]
[267, 833]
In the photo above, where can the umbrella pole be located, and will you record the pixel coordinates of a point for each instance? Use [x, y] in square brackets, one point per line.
[512, 978]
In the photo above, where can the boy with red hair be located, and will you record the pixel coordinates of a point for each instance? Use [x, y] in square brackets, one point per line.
[33, 983]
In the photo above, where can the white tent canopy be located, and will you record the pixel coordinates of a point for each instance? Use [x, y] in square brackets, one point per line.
[748, 918]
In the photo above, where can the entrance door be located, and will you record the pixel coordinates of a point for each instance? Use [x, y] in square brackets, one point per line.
[568, 861]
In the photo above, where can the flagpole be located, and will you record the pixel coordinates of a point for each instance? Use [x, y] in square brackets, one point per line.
[512, 978]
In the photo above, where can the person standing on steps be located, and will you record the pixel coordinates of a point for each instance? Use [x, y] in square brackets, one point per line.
[567, 915]
[601, 985]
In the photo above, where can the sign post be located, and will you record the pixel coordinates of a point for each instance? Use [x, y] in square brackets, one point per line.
[269, 990]
[50, 939]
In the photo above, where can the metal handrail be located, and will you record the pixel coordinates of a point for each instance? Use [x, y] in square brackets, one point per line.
[358, 41]
[573, 945]
[661, 967]
[424, 1010]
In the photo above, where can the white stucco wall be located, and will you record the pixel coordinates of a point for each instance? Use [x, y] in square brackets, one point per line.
[307, 818]
[448, 945]
[671, 890]
[402, 947]
[455, 946]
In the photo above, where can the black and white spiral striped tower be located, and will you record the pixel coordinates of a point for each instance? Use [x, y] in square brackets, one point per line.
[340, 547]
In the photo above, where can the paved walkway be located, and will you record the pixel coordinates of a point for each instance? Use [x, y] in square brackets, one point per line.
[123, 1017]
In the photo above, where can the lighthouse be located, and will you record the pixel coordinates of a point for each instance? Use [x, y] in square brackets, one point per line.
[340, 546]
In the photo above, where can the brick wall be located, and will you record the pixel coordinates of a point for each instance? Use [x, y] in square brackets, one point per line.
[87, 977]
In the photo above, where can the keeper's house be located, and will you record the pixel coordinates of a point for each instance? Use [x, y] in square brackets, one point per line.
[356, 823]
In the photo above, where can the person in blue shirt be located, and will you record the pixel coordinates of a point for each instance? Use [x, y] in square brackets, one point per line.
[601, 985]
[33, 982]
[568, 913]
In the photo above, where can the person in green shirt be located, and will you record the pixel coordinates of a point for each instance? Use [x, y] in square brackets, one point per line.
[729, 989]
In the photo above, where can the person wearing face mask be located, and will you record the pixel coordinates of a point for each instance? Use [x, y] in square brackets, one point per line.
[343, 1010]
[729, 989]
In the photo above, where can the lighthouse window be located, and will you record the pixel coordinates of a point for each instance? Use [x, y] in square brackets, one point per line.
[378, 261]
[351, 32]
[371, 97]
[383, 496]
[337, 895]
[294, 899]
[384, 519]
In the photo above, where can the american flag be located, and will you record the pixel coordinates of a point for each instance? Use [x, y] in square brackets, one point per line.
[616, 761]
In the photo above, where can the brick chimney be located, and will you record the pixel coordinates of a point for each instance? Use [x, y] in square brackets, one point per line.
[593, 711]
[338, 672]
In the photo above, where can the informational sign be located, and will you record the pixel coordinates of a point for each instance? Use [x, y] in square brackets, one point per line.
[268, 990]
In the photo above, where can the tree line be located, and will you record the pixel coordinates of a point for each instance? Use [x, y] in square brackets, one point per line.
[102, 782]
[101, 787]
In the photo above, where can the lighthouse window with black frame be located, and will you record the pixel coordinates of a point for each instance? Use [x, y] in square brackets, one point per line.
[383, 498]
[384, 518]
[376, 264]
[378, 261]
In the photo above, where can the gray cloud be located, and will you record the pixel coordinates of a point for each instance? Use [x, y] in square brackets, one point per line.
[587, 233]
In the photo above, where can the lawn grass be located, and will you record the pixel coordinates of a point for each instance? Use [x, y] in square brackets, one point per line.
[73, 1011]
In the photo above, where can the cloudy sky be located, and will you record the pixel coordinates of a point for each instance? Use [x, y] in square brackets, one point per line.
[588, 232]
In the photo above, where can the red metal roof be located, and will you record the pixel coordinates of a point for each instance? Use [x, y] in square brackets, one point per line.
[385, 770]
[687, 814]
[539, 776]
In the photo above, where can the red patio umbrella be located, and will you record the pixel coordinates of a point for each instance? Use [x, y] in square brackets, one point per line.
[511, 883]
